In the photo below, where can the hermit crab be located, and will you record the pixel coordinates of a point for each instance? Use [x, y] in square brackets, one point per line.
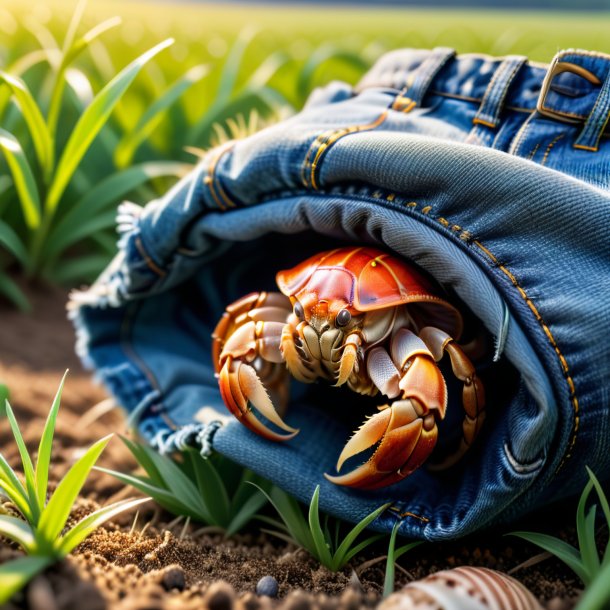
[364, 318]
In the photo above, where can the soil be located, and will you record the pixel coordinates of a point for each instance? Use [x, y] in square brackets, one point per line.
[150, 560]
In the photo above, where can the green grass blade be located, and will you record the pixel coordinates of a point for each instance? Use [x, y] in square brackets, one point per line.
[91, 122]
[180, 485]
[323, 553]
[245, 514]
[14, 575]
[149, 121]
[13, 293]
[34, 120]
[23, 178]
[59, 82]
[83, 218]
[18, 497]
[562, 550]
[18, 531]
[140, 453]
[390, 566]
[211, 488]
[91, 522]
[45, 446]
[588, 548]
[233, 64]
[28, 467]
[603, 500]
[290, 513]
[597, 595]
[405, 548]
[94, 33]
[353, 534]
[285, 537]
[359, 548]
[57, 510]
[393, 555]
[160, 495]
[10, 240]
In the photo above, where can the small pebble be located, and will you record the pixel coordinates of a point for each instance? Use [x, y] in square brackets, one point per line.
[267, 585]
[173, 578]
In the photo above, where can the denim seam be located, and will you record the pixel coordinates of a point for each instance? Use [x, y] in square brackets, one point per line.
[325, 141]
[520, 136]
[562, 360]
[547, 152]
[212, 181]
[147, 258]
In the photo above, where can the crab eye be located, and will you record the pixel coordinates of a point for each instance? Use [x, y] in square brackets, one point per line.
[298, 311]
[343, 318]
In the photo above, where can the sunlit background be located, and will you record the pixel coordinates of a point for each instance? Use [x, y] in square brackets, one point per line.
[230, 69]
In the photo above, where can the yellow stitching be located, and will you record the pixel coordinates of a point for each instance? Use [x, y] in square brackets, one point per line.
[477, 121]
[317, 142]
[403, 104]
[562, 360]
[391, 197]
[209, 180]
[395, 509]
[583, 147]
[443, 221]
[324, 146]
[533, 153]
[456, 228]
[548, 149]
[149, 261]
[426, 209]
[411, 204]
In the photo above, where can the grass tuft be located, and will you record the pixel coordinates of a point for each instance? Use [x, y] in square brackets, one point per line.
[591, 565]
[321, 541]
[213, 491]
[39, 529]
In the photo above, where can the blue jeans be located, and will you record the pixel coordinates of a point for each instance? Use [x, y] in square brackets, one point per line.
[490, 174]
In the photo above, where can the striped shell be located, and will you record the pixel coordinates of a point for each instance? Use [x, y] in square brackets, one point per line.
[464, 588]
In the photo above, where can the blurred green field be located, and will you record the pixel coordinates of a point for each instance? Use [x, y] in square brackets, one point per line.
[227, 66]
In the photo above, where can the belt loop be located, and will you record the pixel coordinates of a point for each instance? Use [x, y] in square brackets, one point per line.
[596, 121]
[419, 81]
[488, 113]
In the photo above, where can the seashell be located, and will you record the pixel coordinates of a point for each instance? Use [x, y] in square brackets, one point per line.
[464, 588]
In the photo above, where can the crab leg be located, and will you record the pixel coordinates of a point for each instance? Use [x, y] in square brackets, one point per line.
[247, 344]
[473, 394]
[405, 431]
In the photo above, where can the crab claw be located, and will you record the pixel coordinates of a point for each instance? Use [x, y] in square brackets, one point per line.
[242, 389]
[406, 437]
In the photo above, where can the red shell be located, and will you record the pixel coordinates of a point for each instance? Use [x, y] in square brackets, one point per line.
[367, 279]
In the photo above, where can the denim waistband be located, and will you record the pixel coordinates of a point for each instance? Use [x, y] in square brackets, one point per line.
[570, 89]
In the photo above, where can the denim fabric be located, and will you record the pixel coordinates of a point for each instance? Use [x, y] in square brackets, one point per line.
[490, 174]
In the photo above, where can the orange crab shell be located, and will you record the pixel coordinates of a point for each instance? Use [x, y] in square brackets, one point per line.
[367, 279]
